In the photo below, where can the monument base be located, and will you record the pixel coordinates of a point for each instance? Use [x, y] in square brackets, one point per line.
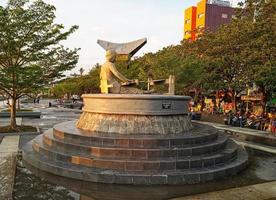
[135, 139]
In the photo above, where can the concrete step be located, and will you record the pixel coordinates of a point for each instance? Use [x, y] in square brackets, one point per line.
[206, 160]
[252, 135]
[131, 153]
[110, 176]
[69, 133]
[257, 146]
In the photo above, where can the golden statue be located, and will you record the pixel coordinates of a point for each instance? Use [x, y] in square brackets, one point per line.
[112, 81]
[110, 75]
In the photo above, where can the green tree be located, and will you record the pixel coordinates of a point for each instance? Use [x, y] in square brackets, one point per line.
[262, 48]
[79, 85]
[241, 52]
[67, 88]
[31, 55]
[171, 60]
[91, 82]
[190, 75]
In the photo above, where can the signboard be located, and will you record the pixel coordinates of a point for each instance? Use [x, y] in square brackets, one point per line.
[258, 97]
[166, 105]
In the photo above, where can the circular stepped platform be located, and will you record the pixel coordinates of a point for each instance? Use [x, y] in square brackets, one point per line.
[67, 131]
[133, 152]
[198, 155]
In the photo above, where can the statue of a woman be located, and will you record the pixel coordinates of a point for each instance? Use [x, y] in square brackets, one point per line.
[110, 75]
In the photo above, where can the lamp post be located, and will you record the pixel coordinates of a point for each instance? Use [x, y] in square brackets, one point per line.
[247, 99]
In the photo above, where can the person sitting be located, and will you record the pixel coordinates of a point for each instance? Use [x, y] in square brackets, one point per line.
[112, 81]
[109, 75]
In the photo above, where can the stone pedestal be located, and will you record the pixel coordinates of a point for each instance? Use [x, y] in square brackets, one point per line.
[135, 114]
[135, 139]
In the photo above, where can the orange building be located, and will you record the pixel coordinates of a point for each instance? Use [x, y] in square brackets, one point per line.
[201, 14]
[208, 15]
[190, 23]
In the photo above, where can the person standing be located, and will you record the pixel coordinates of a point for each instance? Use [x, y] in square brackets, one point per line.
[273, 125]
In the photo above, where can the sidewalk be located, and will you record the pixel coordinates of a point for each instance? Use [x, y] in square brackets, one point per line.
[256, 139]
[264, 191]
[247, 131]
[8, 152]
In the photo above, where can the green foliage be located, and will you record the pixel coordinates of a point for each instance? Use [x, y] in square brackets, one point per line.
[190, 75]
[241, 52]
[79, 85]
[227, 66]
[30, 51]
[238, 54]
[31, 55]
[171, 60]
[263, 46]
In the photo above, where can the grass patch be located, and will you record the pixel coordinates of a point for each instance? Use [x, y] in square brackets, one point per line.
[21, 110]
[7, 129]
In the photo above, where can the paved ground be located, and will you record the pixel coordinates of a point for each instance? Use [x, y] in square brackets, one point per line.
[265, 191]
[10, 144]
[247, 131]
[6, 121]
[49, 117]
[8, 152]
[52, 116]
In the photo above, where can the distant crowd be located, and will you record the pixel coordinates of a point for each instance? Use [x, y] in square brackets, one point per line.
[242, 118]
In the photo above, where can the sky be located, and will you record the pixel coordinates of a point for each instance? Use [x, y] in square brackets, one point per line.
[160, 21]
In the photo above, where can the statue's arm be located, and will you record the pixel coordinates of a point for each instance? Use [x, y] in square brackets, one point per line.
[117, 73]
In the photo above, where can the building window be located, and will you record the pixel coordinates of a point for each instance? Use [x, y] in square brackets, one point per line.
[223, 15]
[187, 21]
[200, 15]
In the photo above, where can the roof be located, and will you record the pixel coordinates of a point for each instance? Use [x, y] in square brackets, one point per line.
[129, 48]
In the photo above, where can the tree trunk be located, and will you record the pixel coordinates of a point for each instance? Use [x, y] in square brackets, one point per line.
[265, 99]
[234, 100]
[18, 104]
[13, 114]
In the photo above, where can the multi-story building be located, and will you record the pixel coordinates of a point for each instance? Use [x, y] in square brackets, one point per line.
[190, 23]
[207, 15]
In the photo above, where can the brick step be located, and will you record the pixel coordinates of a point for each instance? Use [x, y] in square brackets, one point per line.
[133, 153]
[69, 133]
[189, 176]
[187, 162]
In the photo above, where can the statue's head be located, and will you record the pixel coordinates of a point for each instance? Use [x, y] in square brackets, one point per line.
[110, 55]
